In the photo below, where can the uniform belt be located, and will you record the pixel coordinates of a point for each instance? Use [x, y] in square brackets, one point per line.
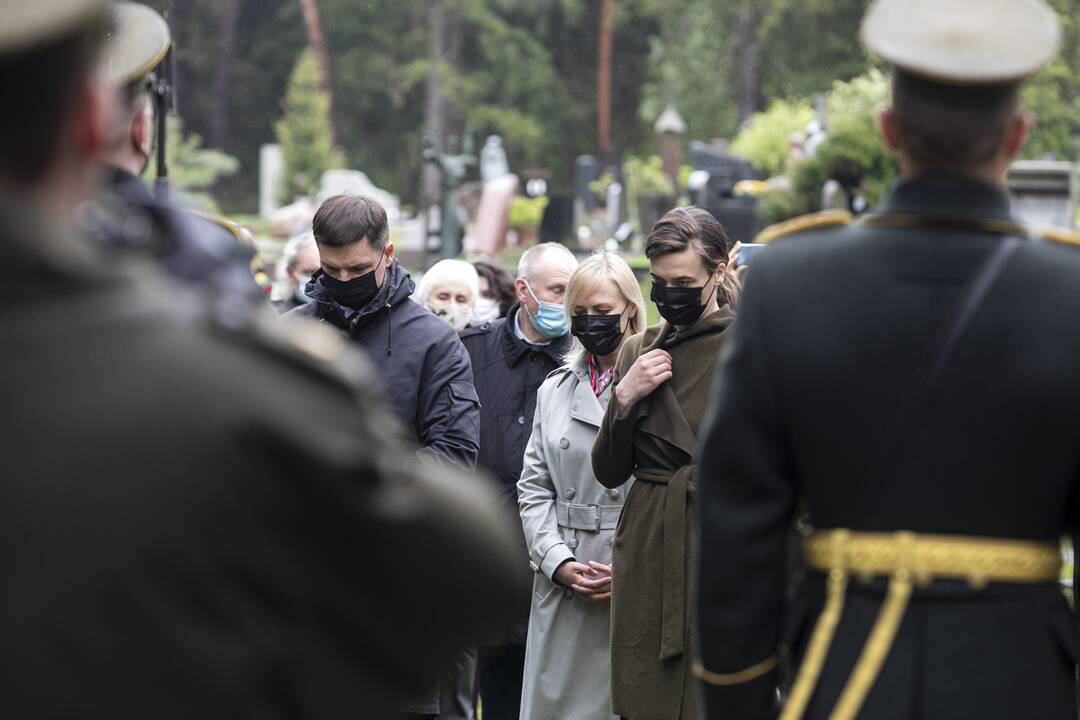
[592, 518]
[907, 559]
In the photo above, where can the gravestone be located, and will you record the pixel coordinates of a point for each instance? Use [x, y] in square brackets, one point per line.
[271, 174]
[1043, 193]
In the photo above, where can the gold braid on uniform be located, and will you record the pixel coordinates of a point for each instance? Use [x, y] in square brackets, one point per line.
[907, 559]
[736, 678]
[805, 223]
[1062, 236]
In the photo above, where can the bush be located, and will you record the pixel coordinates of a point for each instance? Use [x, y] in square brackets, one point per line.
[764, 140]
[527, 212]
[304, 132]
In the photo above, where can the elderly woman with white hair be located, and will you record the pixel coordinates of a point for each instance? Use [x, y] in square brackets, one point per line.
[449, 289]
[568, 517]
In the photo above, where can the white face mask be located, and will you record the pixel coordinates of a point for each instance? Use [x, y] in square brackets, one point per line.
[454, 315]
[487, 310]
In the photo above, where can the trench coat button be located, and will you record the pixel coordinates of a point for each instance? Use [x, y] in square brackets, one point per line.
[572, 543]
[564, 443]
[521, 419]
[613, 494]
[570, 493]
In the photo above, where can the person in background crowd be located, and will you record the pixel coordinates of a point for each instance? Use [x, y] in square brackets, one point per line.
[569, 519]
[449, 290]
[909, 384]
[195, 248]
[661, 387]
[496, 293]
[198, 549]
[511, 357]
[299, 262]
[362, 290]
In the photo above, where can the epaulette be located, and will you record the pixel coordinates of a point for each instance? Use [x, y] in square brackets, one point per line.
[242, 236]
[561, 370]
[303, 344]
[814, 221]
[1062, 236]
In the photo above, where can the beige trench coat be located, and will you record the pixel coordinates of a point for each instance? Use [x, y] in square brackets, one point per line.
[566, 515]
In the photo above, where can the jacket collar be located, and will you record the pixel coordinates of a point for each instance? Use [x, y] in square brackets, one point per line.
[129, 184]
[515, 347]
[950, 196]
[396, 288]
[584, 405]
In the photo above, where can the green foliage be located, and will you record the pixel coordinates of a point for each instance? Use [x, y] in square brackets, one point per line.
[764, 141]
[193, 169]
[852, 150]
[646, 177]
[1056, 106]
[304, 132]
[527, 212]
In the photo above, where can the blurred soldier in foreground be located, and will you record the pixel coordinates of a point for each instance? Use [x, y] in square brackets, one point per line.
[196, 248]
[911, 382]
[178, 543]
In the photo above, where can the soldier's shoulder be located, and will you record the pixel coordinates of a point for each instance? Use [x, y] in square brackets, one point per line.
[1062, 236]
[824, 220]
[297, 345]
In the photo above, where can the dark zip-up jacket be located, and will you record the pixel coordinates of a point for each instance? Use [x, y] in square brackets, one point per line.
[426, 374]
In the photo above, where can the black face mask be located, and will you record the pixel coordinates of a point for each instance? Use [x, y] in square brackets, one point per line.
[355, 293]
[600, 334]
[678, 305]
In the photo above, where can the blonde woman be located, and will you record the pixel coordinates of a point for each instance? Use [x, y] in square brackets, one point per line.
[569, 519]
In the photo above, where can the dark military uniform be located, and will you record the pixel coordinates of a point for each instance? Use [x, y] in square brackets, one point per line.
[822, 401]
[178, 542]
[197, 249]
[190, 247]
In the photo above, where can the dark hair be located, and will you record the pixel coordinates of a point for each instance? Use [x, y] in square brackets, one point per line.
[39, 89]
[501, 284]
[346, 219]
[945, 127]
[692, 227]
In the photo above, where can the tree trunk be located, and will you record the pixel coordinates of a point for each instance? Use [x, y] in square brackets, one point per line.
[748, 77]
[219, 121]
[603, 80]
[318, 44]
[435, 111]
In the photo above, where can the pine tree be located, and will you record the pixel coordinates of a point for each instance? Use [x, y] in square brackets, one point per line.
[304, 131]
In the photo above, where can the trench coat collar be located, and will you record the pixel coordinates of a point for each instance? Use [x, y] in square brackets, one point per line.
[664, 417]
[584, 405]
[514, 347]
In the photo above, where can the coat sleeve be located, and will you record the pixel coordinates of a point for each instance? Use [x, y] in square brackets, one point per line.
[537, 496]
[613, 451]
[746, 503]
[448, 411]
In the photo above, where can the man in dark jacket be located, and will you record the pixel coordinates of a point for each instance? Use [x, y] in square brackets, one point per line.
[362, 290]
[510, 359]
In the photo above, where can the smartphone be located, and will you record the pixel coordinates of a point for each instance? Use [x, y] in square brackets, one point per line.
[746, 252]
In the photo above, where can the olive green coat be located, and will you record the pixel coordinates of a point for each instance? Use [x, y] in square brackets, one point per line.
[656, 442]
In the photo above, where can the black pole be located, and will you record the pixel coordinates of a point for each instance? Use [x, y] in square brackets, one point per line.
[162, 89]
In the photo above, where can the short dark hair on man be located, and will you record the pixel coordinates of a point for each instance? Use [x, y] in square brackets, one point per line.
[945, 127]
[39, 87]
[347, 219]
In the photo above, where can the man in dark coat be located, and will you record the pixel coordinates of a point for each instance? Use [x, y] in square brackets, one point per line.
[365, 293]
[177, 542]
[911, 382]
[511, 358]
[197, 249]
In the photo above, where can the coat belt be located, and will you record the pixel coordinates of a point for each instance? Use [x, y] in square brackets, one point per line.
[672, 556]
[907, 559]
[592, 518]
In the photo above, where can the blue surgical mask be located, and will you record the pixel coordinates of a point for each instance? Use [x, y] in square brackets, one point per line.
[301, 291]
[550, 318]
